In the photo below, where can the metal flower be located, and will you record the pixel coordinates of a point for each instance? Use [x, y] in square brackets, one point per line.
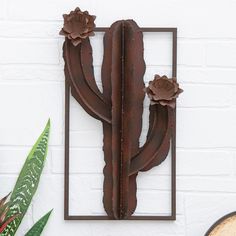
[78, 25]
[163, 91]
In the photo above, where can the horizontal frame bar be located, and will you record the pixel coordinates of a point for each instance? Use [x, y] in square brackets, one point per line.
[70, 217]
[143, 29]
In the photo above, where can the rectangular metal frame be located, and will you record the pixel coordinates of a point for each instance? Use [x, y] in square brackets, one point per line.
[172, 216]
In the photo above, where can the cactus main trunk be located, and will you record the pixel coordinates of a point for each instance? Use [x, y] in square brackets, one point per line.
[122, 76]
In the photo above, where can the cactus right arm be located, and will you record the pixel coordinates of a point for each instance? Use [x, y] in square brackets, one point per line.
[157, 146]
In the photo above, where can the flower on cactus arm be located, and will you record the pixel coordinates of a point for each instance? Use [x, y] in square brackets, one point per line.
[78, 25]
[4, 207]
[163, 91]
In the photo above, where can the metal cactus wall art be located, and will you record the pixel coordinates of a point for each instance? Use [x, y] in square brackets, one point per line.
[119, 107]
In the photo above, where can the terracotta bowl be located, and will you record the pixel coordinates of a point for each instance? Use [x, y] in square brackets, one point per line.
[226, 226]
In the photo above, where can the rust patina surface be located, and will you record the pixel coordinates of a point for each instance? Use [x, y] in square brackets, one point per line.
[120, 108]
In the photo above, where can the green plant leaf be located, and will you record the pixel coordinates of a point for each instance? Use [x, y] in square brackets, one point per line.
[38, 227]
[27, 182]
[6, 223]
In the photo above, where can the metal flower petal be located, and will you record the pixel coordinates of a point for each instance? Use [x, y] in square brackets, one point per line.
[163, 91]
[78, 26]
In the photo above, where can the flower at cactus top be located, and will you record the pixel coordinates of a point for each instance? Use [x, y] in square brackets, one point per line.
[78, 25]
[163, 91]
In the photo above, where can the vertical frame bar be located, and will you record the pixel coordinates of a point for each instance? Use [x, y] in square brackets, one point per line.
[173, 143]
[67, 151]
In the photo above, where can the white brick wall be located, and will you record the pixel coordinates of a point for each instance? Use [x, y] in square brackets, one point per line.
[32, 89]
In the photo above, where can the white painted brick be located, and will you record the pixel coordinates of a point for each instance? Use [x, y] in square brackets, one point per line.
[151, 71]
[96, 180]
[82, 160]
[187, 183]
[204, 162]
[84, 200]
[190, 163]
[29, 52]
[80, 120]
[97, 74]
[95, 202]
[3, 9]
[157, 49]
[157, 203]
[86, 139]
[208, 75]
[7, 183]
[191, 53]
[29, 29]
[198, 23]
[46, 10]
[204, 210]
[221, 54]
[220, 184]
[97, 46]
[28, 107]
[13, 158]
[204, 96]
[206, 128]
[233, 99]
[147, 228]
[31, 73]
[196, 128]
[204, 21]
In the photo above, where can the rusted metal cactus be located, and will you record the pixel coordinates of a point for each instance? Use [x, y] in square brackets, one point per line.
[120, 107]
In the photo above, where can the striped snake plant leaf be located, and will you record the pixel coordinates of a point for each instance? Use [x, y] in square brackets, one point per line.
[4, 207]
[27, 182]
[38, 227]
[6, 223]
